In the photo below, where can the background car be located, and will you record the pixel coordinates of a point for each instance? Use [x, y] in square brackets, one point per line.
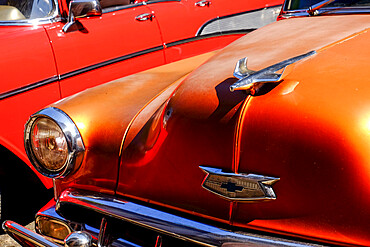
[267, 144]
[50, 52]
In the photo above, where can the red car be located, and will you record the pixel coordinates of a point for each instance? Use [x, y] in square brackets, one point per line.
[51, 51]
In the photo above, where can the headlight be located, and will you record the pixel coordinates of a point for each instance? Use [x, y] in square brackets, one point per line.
[48, 144]
[53, 143]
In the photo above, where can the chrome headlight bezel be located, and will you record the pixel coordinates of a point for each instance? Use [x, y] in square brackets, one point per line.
[75, 145]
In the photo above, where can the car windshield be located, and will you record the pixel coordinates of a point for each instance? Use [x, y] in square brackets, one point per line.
[25, 9]
[305, 4]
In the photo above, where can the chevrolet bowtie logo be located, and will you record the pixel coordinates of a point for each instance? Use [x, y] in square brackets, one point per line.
[231, 187]
[239, 187]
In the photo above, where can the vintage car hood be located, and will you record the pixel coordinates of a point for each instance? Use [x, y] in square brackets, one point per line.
[312, 131]
[266, 46]
[96, 108]
[204, 124]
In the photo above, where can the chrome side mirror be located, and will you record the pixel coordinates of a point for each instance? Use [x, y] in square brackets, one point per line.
[81, 9]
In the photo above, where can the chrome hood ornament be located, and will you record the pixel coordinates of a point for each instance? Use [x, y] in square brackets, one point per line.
[239, 187]
[251, 80]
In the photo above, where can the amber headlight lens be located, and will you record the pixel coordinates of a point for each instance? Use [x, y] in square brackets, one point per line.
[53, 143]
[52, 228]
[49, 144]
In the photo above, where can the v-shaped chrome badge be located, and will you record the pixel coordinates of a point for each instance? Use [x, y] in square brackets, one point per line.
[239, 187]
[251, 80]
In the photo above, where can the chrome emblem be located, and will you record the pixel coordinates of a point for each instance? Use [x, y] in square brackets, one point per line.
[239, 187]
[252, 81]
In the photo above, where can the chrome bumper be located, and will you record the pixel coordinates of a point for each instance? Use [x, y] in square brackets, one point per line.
[26, 237]
[159, 222]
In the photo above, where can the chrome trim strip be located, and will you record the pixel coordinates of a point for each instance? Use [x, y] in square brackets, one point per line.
[32, 22]
[28, 87]
[25, 236]
[109, 62]
[313, 8]
[49, 212]
[75, 144]
[144, 52]
[206, 36]
[102, 238]
[162, 222]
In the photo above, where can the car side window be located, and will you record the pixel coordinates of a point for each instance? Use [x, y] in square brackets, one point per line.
[11, 10]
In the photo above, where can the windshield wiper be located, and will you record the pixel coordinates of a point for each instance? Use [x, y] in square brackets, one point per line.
[313, 10]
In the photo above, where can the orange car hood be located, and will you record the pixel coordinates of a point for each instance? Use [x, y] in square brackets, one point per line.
[263, 47]
[202, 116]
[311, 131]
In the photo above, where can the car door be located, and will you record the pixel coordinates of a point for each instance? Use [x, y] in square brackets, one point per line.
[190, 27]
[28, 74]
[180, 21]
[119, 42]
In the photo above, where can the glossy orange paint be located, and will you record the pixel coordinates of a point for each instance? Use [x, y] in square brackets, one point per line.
[194, 47]
[311, 131]
[321, 153]
[164, 173]
[99, 170]
[201, 114]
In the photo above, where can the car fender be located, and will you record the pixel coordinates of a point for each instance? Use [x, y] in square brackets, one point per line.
[97, 108]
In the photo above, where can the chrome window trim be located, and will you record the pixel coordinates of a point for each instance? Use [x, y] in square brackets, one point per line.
[76, 147]
[326, 11]
[54, 17]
